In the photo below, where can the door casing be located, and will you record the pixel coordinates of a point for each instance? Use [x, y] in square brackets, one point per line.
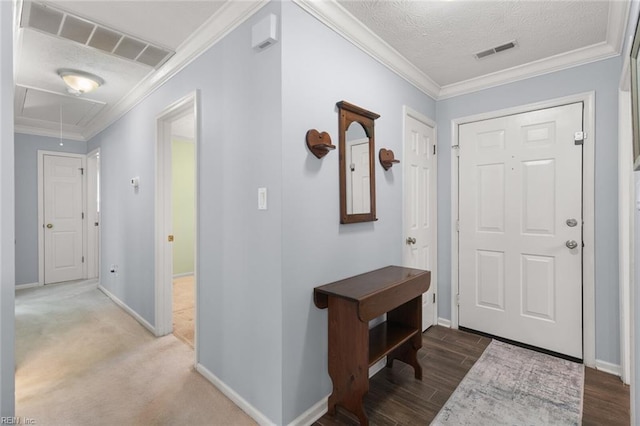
[41, 155]
[588, 209]
[163, 216]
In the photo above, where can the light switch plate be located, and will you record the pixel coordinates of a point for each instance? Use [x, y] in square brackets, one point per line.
[262, 198]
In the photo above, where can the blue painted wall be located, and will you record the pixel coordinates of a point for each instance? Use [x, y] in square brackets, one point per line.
[320, 68]
[239, 264]
[601, 77]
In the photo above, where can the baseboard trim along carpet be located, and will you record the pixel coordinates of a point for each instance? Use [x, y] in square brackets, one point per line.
[127, 309]
[510, 385]
[242, 403]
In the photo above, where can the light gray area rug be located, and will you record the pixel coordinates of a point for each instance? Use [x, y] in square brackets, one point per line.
[81, 360]
[510, 385]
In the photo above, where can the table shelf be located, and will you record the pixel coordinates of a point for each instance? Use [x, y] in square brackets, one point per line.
[386, 337]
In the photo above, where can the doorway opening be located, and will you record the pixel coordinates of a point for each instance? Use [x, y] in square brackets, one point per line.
[93, 214]
[177, 220]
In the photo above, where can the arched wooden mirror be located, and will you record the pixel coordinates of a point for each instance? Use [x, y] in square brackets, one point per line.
[357, 173]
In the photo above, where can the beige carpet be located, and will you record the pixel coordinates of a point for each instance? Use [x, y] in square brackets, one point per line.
[183, 308]
[81, 360]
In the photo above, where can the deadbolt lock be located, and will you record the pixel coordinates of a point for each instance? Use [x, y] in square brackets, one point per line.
[572, 222]
[49, 225]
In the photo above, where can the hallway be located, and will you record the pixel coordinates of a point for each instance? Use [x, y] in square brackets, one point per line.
[81, 360]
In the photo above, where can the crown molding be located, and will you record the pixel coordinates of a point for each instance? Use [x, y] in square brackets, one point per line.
[532, 69]
[225, 20]
[40, 131]
[344, 23]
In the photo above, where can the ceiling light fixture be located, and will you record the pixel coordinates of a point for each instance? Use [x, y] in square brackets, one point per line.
[80, 82]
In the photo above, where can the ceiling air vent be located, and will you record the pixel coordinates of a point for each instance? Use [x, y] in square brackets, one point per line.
[59, 23]
[493, 50]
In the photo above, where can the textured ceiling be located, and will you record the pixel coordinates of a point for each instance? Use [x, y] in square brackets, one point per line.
[441, 37]
[430, 43]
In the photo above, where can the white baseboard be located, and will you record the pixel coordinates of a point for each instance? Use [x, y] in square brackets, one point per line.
[27, 285]
[444, 322]
[127, 309]
[244, 405]
[373, 370]
[312, 414]
[185, 274]
[608, 367]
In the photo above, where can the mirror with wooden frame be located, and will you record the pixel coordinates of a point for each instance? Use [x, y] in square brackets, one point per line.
[356, 158]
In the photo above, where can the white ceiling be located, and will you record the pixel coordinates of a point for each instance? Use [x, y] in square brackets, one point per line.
[429, 43]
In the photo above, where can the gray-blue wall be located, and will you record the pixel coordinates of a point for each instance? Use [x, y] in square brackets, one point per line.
[316, 249]
[601, 77]
[239, 265]
[26, 180]
[7, 212]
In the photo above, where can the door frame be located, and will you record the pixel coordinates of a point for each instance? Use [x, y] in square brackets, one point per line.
[588, 208]
[41, 154]
[163, 216]
[409, 112]
[93, 195]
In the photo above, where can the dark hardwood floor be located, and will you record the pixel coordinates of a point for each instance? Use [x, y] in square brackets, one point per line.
[396, 398]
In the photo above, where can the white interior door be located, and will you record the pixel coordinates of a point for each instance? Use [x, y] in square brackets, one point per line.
[420, 207]
[63, 218]
[520, 214]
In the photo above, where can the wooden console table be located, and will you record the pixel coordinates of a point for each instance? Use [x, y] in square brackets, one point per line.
[353, 348]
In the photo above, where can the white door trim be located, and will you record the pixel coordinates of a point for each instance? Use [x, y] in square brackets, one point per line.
[626, 195]
[588, 194]
[41, 154]
[163, 249]
[409, 112]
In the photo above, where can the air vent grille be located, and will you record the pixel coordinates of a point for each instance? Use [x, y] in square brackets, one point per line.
[61, 24]
[497, 49]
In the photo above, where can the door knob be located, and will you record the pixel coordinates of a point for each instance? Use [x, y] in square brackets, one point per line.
[571, 244]
[49, 225]
[572, 222]
[411, 240]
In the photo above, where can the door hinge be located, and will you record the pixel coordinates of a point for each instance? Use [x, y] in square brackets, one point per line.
[456, 148]
[81, 170]
[82, 259]
[579, 137]
[434, 298]
[83, 215]
[434, 149]
[457, 225]
[458, 299]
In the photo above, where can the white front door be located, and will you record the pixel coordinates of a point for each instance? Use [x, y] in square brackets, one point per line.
[63, 218]
[420, 207]
[520, 215]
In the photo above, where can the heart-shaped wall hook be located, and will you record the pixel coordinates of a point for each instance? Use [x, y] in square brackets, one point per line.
[319, 143]
[386, 158]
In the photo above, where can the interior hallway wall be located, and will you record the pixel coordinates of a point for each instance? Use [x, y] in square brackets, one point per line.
[26, 207]
[239, 266]
[7, 215]
[316, 248]
[601, 77]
